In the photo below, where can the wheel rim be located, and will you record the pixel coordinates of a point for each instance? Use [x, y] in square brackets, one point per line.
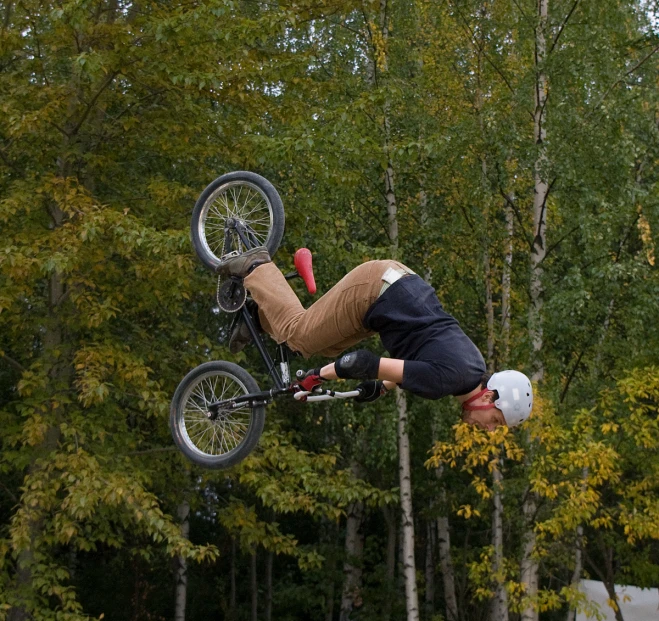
[243, 201]
[223, 435]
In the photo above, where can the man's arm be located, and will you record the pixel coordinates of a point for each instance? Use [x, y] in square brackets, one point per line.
[390, 370]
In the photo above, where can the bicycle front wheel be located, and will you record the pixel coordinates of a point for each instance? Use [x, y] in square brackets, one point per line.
[239, 198]
[231, 436]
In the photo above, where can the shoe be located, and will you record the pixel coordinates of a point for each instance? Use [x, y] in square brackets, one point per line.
[240, 335]
[244, 263]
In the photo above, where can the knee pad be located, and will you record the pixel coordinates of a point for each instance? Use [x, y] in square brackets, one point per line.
[360, 364]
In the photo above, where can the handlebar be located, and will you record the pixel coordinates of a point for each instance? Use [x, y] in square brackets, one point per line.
[325, 395]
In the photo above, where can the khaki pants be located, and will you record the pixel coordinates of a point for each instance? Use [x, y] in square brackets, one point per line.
[329, 326]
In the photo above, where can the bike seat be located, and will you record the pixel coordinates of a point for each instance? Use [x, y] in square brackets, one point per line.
[304, 267]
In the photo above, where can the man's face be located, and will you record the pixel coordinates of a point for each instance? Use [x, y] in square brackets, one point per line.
[485, 419]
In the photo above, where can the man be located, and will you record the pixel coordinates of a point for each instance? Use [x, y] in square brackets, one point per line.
[431, 355]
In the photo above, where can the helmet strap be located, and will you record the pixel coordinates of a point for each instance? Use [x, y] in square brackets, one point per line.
[467, 404]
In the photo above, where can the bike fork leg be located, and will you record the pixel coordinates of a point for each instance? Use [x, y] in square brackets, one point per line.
[267, 360]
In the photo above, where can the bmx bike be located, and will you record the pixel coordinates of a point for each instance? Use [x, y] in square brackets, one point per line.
[218, 410]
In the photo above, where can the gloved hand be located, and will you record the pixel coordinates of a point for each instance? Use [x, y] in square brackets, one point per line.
[371, 390]
[310, 380]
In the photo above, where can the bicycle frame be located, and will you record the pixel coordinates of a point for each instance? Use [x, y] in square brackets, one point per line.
[281, 378]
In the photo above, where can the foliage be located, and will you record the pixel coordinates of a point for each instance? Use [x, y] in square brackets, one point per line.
[115, 115]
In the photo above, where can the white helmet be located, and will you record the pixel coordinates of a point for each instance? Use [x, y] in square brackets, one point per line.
[515, 395]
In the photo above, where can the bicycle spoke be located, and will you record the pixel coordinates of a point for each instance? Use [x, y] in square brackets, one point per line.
[229, 430]
[242, 202]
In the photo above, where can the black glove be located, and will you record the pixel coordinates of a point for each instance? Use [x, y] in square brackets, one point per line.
[371, 390]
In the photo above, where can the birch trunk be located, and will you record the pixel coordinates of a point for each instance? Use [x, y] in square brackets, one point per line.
[446, 566]
[407, 525]
[445, 559]
[183, 513]
[529, 565]
[489, 306]
[540, 192]
[499, 604]
[506, 285]
[409, 566]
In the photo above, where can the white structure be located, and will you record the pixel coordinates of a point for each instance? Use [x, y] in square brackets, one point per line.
[636, 604]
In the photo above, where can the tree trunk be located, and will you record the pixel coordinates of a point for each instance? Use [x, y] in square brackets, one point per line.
[529, 565]
[430, 570]
[232, 582]
[499, 604]
[409, 567]
[506, 286]
[354, 549]
[605, 573]
[405, 477]
[540, 192]
[352, 568]
[329, 607]
[60, 375]
[578, 568]
[181, 574]
[268, 585]
[392, 527]
[444, 548]
[489, 306]
[254, 587]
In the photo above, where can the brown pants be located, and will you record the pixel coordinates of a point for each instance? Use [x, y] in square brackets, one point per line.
[329, 326]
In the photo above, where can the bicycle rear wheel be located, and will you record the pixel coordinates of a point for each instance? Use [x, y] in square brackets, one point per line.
[239, 198]
[228, 439]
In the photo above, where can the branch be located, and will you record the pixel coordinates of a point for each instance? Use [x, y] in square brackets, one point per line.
[160, 449]
[556, 244]
[621, 79]
[9, 163]
[90, 105]
[466, 216]
[518, 215]
[14, 363]
[482, 51]
[560, 30]
[9, 492]
[571, 376]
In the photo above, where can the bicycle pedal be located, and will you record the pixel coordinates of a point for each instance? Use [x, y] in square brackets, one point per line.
[230, 255]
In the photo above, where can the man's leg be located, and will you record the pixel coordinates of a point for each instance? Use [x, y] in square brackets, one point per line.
[330, 325]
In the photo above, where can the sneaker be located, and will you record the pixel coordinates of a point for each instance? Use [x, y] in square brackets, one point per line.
[242, 264]
[240, 335]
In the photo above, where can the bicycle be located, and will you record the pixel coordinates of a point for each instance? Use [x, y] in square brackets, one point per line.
[218, 410]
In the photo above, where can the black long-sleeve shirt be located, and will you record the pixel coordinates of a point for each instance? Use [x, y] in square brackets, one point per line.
[440, 359]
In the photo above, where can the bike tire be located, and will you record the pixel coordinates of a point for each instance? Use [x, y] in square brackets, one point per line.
[229, 439]
[244, 195]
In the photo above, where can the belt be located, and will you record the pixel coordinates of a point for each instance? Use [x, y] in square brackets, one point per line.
[391, 276]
